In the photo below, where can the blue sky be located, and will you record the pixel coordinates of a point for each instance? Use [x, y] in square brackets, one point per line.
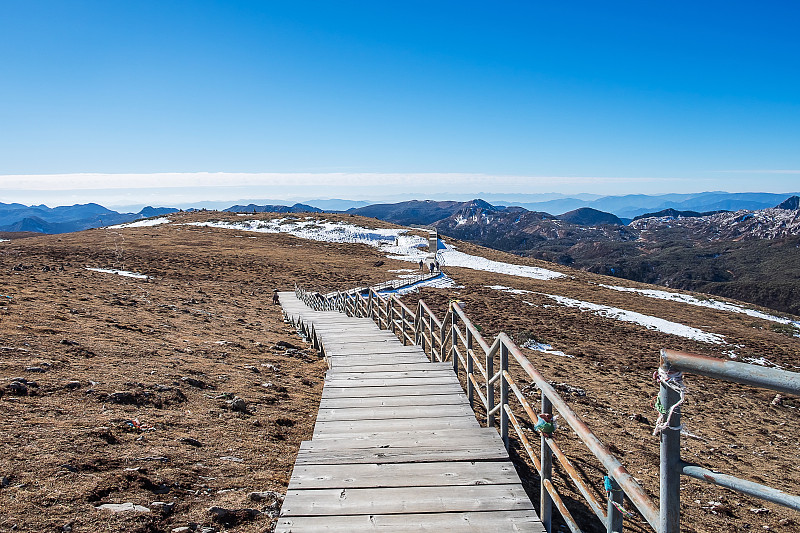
[363, 99]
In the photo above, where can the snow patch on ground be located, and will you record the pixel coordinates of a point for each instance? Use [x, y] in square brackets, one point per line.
[5, 240]
[452, 257]
[439, 282]
[125, 273]
[711, 303]
[650, 322]
[142, 223]
[545, 348]
[393, 241]
[762, 362]
[508, 289]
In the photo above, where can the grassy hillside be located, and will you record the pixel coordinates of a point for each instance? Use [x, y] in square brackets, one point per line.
[136, 379]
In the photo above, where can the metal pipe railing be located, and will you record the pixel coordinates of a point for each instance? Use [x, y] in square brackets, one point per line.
[746, 374]
[671, 396]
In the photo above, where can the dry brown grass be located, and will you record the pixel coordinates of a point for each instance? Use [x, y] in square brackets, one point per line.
[207, 315]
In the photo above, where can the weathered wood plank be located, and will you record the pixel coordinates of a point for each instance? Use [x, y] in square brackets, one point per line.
[350, 336]
[371, 347]
[362, 426]
[478, 522]
[341, 360]
[391, 382]
[405, 500]
[384, 413]
[341, 374]
[389, 401]
[417, 454]
[406, 390]
[396, 367]
[407, 438]
[402, 475]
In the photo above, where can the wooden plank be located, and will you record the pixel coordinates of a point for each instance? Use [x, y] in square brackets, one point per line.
[416, 454]
[475, 437]
[471, 522]
[407, 390]
[405, 500]
[369, 347]
[360, 336]
[391, 382]
[383, 413]
[389, 401]
[402, 475]
[362, 426]
[340, 374]
[396, 367]
[342, 362]
[392, 356]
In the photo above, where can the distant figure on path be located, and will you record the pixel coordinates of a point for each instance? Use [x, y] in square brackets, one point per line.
[275, 299]
[421, 266]
[430, 267]
[438, 267]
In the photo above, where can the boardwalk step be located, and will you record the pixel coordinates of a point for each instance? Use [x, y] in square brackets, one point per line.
[432, 474]
[396, 446]
[451, 522]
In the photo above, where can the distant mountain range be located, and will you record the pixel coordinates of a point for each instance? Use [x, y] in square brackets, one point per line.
[633, 205]
[750, 255]
[580, 209]
[252, 208]
[65, 219]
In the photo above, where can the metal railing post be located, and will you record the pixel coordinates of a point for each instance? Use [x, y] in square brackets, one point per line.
[503, 394]
[546, 458]
[670, 454]
[615, 495]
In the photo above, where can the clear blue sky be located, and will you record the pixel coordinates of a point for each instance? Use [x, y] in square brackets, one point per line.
[645, 96]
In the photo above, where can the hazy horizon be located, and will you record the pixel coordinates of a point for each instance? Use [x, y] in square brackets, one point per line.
[327, 202]
[185, 189]
[139, 103]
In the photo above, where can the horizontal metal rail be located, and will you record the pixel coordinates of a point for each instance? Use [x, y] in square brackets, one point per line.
[746, 374]
[740, 485]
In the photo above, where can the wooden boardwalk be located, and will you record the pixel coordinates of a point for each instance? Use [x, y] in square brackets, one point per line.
[396, 446]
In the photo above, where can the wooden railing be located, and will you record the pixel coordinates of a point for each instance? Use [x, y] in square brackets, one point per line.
[488, 372]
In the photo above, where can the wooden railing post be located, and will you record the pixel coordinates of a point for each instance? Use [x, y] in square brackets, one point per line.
[546, 458]
[403, 324]
[453, 341]
[489, 362]
[470, 368]
[503, 394]
[442, 336]
[430, 331]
